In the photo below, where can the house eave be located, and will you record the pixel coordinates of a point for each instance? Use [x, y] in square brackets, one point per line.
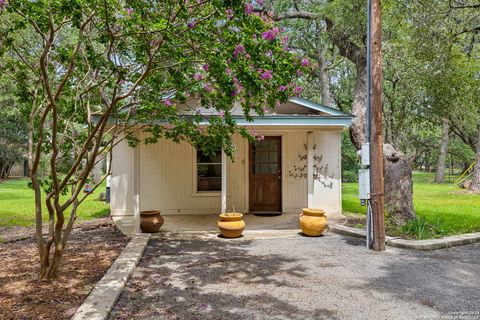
[330, 121]
[318, 107]
[283, 121]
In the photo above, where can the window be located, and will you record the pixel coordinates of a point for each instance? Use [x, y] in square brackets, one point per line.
[209, 171]
[265, 157]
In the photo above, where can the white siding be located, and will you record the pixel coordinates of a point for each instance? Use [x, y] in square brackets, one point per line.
[327, 193]
[294, 190]
[167, 176]
[121, 183]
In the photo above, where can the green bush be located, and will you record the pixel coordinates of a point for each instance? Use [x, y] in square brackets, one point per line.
[350, 160]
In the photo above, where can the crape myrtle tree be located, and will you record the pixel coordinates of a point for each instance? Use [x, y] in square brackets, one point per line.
[96, 72]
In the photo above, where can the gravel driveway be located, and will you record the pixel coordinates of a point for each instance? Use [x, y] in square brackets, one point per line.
[332, 277]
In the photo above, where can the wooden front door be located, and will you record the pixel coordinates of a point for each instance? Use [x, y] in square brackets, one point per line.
[265, 186]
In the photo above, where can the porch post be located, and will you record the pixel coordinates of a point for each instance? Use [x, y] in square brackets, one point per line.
[136, 189]
[224, 183]
[310, 152]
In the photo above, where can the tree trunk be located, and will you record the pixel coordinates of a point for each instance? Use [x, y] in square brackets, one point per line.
[440, 175]
[398, 185]
[475, 182]
[323, 75]
[96, 174]
[49, 263]
[357, 129]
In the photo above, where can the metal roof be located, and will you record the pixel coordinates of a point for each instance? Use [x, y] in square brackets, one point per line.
[318, 107]
[330, 117]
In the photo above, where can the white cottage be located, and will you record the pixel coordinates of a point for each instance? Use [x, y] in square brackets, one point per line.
[297, 165]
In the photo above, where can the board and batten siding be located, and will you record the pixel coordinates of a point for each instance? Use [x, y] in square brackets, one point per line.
[327, 190]
[168, 176]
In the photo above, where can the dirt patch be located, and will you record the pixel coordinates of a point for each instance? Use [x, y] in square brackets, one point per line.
[92, 248]
[355, 220]
[16, 233]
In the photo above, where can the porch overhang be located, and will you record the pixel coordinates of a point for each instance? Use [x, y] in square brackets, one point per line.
[283, 121]
[296, 120]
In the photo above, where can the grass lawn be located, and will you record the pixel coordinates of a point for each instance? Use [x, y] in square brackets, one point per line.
[17, 204]
[445, 208]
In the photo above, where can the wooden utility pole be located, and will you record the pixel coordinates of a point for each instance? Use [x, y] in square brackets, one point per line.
[376, 141]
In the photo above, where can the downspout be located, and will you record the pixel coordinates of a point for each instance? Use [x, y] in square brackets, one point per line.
[310, 182]
[136, 189]
[224, 183]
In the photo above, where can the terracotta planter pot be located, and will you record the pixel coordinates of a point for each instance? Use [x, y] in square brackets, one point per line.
[150, 221]
[313, 222]
[231, 225]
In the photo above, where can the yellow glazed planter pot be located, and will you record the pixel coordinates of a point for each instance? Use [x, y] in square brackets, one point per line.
[313, 222]
[231, 225]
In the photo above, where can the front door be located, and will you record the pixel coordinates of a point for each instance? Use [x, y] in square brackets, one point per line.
[265, 175]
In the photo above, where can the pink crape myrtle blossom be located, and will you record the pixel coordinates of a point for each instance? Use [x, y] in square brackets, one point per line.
[266, 75]
[229, 13]
[305, 62]
[270, 34]
[197, 77]
[208, 87]
[239, 50]
[249, 8]
[297, 90]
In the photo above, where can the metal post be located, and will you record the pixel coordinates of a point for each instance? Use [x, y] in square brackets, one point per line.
[224, 183]
[369, 226]
[136, 189]
[310, 182]
[369, 69]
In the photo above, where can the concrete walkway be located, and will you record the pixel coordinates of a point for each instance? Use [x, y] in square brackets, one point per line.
[331, 277]
[176, 223]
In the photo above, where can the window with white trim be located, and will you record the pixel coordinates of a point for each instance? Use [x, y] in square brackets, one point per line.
[209, 172]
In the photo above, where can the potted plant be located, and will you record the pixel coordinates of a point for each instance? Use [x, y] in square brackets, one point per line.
[150, 221]
[231, 224]
[313, 222]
